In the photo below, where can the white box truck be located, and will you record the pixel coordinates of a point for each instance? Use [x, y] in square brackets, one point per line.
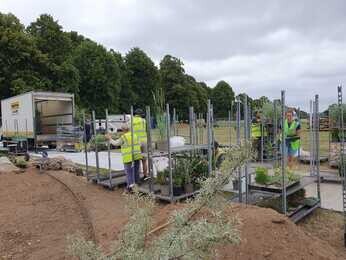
[36, 116]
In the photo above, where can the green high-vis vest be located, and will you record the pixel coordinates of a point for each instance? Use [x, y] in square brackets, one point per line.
[290, 131]
[126, 148]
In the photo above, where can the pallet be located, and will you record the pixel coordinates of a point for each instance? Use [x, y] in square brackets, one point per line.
[307, 159]
[331, 179]
[115, 182]
[144, 188]
[271, 188]
[303, 210]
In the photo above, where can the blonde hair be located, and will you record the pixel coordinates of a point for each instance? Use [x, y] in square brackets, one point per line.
[125, 127]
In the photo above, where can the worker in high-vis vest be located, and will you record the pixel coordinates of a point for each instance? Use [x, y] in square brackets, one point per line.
[256, 134]
[131, 154]
[292, 131]
[140, 129]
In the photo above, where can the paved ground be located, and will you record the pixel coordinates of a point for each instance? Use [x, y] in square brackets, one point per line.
[79, 158]
[331, 195]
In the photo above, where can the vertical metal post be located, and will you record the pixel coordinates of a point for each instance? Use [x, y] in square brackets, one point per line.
[311, 137]
[283, 153]
[212, 133]
[85, 148]
[174, 123]
[169, 153]
[149, 149]
[109, 153]
[262, 138]
[240, 193]
[96, 148]
[275, 133]
[195, 127]
[26, 135]
[317, 143]
[209, 139]
[343, 175]
[191, 125]
[229, 128]
[132, 148]
[246, 139]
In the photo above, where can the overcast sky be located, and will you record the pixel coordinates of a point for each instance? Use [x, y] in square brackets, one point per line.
[259, 47]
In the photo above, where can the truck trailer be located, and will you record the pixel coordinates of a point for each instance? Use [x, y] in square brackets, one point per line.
[36, 116]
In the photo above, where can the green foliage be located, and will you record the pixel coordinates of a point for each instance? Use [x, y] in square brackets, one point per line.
[99, 140]
[335, 113]
[334, 117]
[268, 111]
[181, 89]
[289, 175]
[162, 177]
[99, 77]
[142, 76]
[22, 65]
[222, 98]
[21, 163]
[262, 176]
[159, 111]
[257, 104]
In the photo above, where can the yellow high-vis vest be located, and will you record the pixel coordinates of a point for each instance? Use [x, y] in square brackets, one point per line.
[256, 130]
[140, 129]
[126, 148]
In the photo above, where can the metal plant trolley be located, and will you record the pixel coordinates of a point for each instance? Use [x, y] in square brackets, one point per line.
[172, 152]
[259, 192]
[113, 178]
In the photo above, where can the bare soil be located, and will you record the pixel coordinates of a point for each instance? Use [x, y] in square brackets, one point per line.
[38, 211]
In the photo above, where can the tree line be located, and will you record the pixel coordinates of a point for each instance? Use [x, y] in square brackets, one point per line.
[42, 56]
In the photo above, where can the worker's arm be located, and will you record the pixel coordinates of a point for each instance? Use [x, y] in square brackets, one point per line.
[117, 142]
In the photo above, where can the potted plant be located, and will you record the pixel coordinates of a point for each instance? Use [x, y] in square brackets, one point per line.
[199, 171]
[160, 116]
[262, 176]
[161, 180]
[188, 186]
[178, 182]
[336, 133]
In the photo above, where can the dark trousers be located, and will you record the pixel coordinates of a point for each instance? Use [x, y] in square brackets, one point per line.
[132, 173]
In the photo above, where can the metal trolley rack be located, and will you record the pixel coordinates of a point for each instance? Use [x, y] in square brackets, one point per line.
[171, 152]
[255, 193]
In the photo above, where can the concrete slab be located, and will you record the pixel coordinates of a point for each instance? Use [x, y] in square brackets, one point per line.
[79, 158]
[331, 195]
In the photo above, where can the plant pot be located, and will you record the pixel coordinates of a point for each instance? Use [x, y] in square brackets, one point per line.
[177, 191]
[188, 188]
[162, 145]
[164, 190]
[235, 184]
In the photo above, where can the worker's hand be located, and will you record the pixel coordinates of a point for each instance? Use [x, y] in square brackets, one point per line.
[108, 136]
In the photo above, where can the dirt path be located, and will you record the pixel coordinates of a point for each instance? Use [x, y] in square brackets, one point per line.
[36, 216]
[106, 209]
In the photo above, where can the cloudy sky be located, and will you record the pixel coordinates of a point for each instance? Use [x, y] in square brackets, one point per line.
[259, 47]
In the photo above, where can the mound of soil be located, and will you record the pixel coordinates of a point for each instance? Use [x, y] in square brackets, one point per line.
[38, 211]
[266, 234]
